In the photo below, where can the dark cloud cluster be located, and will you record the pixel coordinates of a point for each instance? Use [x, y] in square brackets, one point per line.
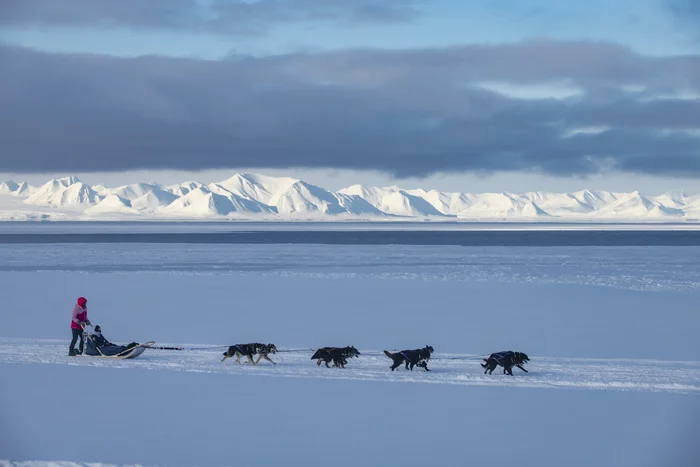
[217, 16]
[406, 112]
[688, 14]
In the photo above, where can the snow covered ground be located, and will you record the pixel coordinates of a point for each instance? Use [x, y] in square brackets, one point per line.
[682, 377]
[612, 334]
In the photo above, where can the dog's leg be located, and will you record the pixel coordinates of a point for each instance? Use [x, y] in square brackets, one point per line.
[522, 368]
[268, 359]
[250, 359]
[238, 357]
[318, 363]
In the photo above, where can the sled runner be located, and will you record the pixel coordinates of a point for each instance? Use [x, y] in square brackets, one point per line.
[133, 352]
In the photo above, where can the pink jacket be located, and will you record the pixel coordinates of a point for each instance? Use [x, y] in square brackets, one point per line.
[79, 314]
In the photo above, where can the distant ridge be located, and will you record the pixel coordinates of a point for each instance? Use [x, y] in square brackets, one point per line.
[261, 197]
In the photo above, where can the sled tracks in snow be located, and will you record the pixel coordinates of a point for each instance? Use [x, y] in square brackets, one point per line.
[456, 369]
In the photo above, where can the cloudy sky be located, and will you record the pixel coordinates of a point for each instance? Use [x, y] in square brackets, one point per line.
[475, 95]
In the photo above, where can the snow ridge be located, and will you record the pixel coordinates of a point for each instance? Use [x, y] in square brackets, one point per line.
[262, 197]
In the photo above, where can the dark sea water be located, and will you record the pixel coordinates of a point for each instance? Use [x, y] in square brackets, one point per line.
[530, 238]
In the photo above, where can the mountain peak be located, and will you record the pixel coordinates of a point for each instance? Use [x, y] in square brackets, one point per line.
[249, 194]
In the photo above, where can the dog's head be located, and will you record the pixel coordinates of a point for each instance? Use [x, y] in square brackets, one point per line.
[520, 358]
[351, 351]
[271, 348]
[427, 351]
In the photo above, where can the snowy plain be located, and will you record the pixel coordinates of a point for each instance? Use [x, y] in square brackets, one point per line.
[612, 334]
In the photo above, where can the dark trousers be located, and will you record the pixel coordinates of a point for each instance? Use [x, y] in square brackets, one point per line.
[77, 333]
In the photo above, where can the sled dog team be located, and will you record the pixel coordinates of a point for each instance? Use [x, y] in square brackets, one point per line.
[338, 355]
[409, 358]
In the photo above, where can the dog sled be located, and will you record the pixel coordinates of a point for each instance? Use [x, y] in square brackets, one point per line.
[115, 352]
[131, 352]
[95, 345]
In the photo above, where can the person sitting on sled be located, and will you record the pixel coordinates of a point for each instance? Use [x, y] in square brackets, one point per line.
[99, 339]
[98, 345]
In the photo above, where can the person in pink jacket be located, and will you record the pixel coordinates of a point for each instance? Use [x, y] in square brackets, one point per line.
[79, 319]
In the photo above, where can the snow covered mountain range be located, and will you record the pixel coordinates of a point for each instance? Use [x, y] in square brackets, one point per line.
[259, 197]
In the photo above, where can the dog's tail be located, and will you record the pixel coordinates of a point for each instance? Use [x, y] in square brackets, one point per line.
[389, 354]
[225, 354]
[483, 365]
[316, 355]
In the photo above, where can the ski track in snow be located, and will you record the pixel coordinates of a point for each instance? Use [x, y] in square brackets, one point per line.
[681, 377]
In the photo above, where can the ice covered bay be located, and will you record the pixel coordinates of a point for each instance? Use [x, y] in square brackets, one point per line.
[611, 332]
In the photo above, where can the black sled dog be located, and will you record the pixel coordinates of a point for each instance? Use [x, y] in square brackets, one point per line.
[249, 350]
[507, 359]
[416, 357]
[339, 355]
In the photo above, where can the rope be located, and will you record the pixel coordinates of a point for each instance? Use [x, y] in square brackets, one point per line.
[186, 348]
[164, 348]
[362, 354]
[479, 359]
[205, 348]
